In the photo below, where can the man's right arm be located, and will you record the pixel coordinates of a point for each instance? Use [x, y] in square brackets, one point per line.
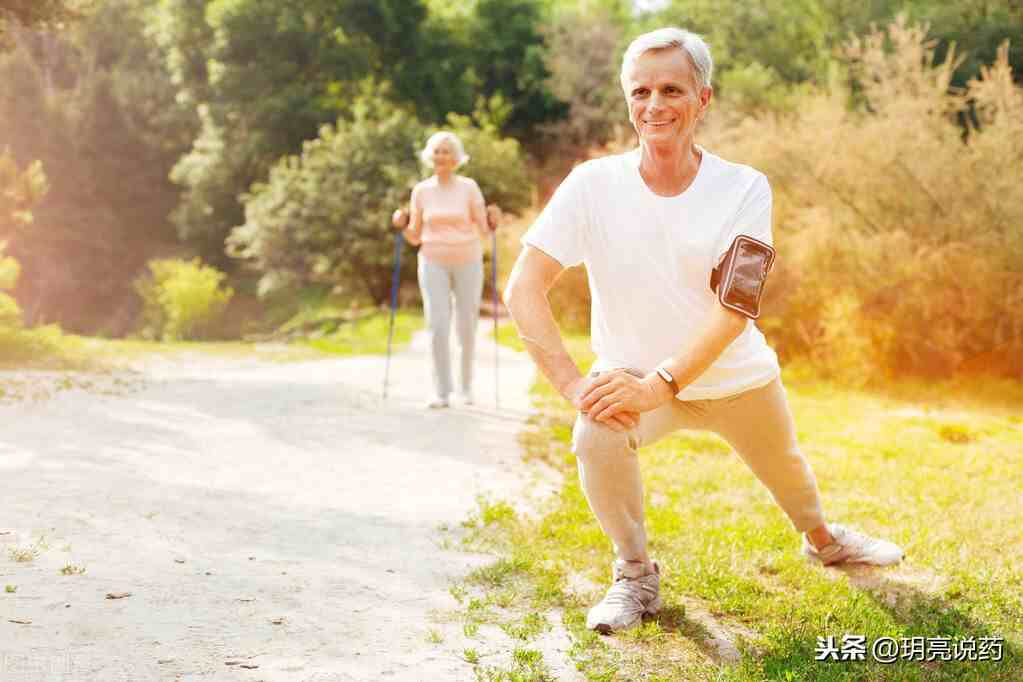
[526, 298]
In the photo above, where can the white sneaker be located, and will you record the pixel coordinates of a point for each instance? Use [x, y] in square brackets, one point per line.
[853, 547]
[465, 397]
[437, 403]
[630, 597]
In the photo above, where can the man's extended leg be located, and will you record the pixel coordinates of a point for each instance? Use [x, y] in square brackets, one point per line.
[759, 425]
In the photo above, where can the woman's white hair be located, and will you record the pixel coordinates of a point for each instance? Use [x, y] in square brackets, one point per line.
[664, 38]
[426, 155]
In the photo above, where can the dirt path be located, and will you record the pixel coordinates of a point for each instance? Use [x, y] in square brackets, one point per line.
[271, 521]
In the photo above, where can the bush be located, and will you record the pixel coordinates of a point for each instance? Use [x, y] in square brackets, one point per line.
[897, 226]
[324, 218]
[182, 300]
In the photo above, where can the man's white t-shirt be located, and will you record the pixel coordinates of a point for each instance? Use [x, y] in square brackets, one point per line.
[648, 260]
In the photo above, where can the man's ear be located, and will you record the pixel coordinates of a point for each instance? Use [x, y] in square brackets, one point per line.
[705, 97]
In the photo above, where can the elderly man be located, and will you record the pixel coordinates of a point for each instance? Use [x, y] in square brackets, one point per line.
[651, 226]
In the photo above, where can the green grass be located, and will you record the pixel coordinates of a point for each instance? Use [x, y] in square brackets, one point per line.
[937, 468]
[367, 335]
[49, 348]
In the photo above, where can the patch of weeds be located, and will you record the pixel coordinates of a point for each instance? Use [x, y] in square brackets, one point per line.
[471, 630]
[504, 598]
[955, 433]
[458, 592]
[531, 627]
[477, 609]
[26, 554]
[72, 569]
[10, 589]
[499, 573]
[471, 656]
[434, 636]
[489, 513]
[527, 666]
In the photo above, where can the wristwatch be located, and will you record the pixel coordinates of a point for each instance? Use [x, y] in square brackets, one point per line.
[670, 380]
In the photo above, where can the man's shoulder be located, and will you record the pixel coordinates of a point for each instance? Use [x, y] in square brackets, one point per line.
[734, 173]
[602, 167]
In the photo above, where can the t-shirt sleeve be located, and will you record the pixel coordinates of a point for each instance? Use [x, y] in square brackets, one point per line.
[753, 218]
[558, 230]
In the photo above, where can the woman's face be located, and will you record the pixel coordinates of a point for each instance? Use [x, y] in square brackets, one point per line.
[444, 157]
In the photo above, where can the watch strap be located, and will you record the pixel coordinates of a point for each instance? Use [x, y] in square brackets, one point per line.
[670, 380]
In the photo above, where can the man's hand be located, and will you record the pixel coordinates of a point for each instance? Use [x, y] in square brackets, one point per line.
[621, 420]
[400, 218]
[494, 216]
[618, 392]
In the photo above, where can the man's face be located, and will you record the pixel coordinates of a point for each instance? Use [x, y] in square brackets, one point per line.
[664, 95]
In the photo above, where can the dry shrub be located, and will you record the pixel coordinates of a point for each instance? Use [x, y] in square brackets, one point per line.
[898, 226]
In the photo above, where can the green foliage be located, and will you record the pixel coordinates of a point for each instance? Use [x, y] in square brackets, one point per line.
[898, 252]
[10, 312]
[497, 164]
[324, 217]
[583, 58]
[36, 13]
[94, 106]
[182, 300]
[508, 58]
[265, 76]
[20, 190]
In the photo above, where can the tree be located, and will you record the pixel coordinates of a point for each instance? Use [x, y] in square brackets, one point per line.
[509, 52]
[265, 76]
[35, 14]
[583, 58]
[94, 105]
[323, 218]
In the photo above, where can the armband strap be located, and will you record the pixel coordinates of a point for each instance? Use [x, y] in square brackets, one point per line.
[738, 280]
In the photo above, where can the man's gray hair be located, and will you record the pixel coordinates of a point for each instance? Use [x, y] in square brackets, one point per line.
[426, 155]
[664, 38]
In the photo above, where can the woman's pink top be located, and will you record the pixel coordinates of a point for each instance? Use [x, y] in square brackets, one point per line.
[449, 217]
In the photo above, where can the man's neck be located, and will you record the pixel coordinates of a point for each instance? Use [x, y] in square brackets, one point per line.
[669, 169]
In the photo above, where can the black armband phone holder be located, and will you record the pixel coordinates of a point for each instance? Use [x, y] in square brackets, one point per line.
[739, 277]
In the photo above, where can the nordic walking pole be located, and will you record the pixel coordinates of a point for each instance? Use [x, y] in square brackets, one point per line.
[399, 240]
[493, 273]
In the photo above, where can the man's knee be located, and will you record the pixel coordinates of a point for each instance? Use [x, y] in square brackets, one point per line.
[593, 439]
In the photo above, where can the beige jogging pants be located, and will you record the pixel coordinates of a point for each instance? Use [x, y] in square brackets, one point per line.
[756, 423]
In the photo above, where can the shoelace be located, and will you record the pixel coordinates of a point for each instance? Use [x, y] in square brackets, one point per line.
[628, 591]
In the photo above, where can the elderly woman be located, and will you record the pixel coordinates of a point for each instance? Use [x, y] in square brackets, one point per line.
[446, 219]
[676, 243]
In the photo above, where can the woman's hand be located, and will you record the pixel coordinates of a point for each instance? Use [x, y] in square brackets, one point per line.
[400, 218]
[615, 392]
[494, 216]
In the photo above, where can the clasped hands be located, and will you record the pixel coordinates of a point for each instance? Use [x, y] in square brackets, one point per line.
[616, 398]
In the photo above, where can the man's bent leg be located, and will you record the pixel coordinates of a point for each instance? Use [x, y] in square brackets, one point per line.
[610, 478]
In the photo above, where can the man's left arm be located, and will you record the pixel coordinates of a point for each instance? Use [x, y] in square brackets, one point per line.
[620, 391]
